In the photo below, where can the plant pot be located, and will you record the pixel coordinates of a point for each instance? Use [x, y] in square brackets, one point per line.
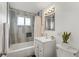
[52, 37]
[65, 42]
[66, 45]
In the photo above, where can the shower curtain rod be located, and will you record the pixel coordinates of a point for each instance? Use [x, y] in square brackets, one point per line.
[22, 11]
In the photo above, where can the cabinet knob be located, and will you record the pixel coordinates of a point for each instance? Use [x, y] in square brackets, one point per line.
[74, 54]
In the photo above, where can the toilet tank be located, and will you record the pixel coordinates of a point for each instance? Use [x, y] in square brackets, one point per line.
[66, 51]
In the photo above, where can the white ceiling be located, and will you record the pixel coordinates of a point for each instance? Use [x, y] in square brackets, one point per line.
[32, 7]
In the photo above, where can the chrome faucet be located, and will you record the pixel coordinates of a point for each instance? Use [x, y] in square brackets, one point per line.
[46, 36]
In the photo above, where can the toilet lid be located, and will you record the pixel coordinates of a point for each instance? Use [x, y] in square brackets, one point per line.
[67, 48]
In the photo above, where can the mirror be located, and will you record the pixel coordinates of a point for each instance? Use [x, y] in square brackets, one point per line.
[50, 22]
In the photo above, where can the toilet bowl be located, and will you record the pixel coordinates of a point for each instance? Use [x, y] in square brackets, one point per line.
[66, 51]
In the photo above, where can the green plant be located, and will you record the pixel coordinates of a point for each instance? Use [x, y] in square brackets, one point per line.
[66, 36]
[52, 37]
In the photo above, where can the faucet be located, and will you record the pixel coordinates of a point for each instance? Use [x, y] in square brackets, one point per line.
[46, 36]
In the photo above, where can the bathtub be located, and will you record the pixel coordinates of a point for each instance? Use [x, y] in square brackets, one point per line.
[21, 50]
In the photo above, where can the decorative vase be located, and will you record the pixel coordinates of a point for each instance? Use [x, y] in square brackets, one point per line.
[52, 37]
[66, 44]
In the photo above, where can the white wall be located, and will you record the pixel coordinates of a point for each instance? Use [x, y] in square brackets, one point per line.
[1, 37]
[67, 19]
[3, 13]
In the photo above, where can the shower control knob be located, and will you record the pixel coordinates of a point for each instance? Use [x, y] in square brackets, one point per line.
[74, 53]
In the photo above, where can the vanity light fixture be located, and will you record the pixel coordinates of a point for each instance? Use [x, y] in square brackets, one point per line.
[50, 11]
[45, 13]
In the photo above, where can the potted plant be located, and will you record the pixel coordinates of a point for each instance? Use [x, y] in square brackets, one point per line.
[52, 37]
[66, 36]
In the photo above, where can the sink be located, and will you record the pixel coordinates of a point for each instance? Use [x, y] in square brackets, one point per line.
[44, 39]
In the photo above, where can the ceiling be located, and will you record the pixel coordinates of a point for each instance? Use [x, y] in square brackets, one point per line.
[32, 7]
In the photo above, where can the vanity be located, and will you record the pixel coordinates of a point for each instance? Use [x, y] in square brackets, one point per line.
[45, 47]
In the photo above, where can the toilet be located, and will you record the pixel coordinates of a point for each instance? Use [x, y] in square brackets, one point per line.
[66, 51]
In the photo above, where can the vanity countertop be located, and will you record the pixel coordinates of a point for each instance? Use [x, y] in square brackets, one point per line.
[43, 39]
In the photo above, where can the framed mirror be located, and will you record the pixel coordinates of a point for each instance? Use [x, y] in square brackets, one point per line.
[50, 22]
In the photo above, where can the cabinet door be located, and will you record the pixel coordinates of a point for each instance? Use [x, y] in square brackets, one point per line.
[3, 12]
[36, 49]
[1, 37]
[3, 19]
[41, 51]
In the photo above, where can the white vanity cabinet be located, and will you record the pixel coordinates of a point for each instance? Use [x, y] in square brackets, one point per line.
[45, 47]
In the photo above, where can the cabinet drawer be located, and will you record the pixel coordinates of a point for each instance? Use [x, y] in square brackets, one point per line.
[41, 55]
[36, 50]
[41, 52]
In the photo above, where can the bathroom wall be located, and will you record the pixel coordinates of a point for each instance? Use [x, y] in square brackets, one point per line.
[3, 12]
[3, 19]
[67, 19]
[1, 36]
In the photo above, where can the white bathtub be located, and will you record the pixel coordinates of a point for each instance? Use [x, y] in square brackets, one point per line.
[21, 50]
